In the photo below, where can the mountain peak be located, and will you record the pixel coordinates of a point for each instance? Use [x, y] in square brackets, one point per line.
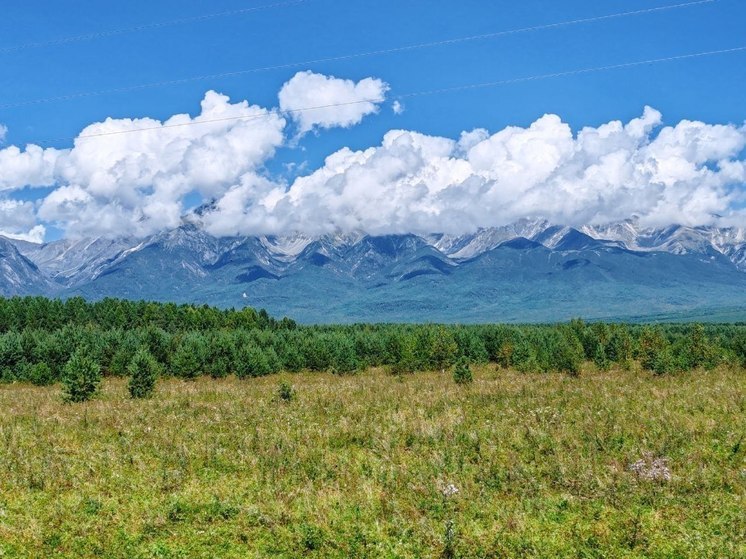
[360, 272]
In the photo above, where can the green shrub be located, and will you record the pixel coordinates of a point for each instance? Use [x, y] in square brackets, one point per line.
[11, 350]
[252, 361]
[344, 360]
[401, 351]
[470, 345]
[462, 372]
[221, 356]
[80, 378]
[122, 357]
[600, 357]
[143, 370]
[698, 350]
[188, 361]
[564, 352]
[665, 361]
[290, 357]
[285, 391]
[619, 349]
[40, 374]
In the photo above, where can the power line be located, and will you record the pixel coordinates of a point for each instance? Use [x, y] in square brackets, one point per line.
[143, 27]
[572, 72]
[421, 93]
[349, 56]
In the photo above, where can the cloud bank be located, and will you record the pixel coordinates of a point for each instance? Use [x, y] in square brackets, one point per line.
[115, 183]
[689, 173]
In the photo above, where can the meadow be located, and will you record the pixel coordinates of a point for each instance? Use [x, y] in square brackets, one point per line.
[607, 462]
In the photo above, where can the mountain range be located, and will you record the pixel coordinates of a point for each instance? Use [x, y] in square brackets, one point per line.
[529, 271]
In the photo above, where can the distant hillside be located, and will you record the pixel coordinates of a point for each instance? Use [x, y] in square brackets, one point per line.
[530, 271]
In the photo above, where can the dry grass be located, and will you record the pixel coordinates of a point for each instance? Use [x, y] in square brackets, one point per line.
[360, 467]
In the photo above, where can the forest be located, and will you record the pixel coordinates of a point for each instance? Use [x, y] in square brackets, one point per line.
[44, 341]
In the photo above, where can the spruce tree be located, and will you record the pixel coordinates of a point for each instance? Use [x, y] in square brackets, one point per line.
[80, 378]
[143, 371]
[462, 372]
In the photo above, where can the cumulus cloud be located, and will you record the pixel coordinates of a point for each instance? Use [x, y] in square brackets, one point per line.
[18, 221]
[341, 103]
[33, 166]
[3, 133]
[113, 182]
[689, 173]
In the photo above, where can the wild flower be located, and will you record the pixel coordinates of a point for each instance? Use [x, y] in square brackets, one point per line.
[651, 469]
[448, 490]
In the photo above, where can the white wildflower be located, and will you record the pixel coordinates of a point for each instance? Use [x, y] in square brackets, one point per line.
[651, 469]
[449, 490]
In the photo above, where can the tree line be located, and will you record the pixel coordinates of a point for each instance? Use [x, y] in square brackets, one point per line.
[45, 341]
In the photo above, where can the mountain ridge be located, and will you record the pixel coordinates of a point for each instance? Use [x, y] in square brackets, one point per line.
[531, 270]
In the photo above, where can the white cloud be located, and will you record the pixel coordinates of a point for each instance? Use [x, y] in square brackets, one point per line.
[113, 182]
[18, 221]
[688, 173]
[342, 103]
[35, 235]
[3, 133]
[33, 166]
[397, 107]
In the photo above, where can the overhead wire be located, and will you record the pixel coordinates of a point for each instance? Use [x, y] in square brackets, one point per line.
[392, 50]
[143, 27]
[412, 94]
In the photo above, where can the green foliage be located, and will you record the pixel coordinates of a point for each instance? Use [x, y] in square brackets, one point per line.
[40, 374]
[401, 353]
[122, 357]
[19, 313]
[344, 356]
[253, 361]
[11, 350]
[651, 347]
[462, 372]
[290, 356]
[470, 345]
[698, 350]
[619, 349]
[738, 347]
[220, 355]
[190, 357]
[189, 341]
[81, 377]
[143, 370]
[664, 361]
[600, 357]
[285, 391]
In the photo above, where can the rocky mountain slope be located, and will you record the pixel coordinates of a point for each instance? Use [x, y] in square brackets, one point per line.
[531, 270]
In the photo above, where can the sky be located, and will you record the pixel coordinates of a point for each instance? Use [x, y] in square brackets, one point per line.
[663, 142]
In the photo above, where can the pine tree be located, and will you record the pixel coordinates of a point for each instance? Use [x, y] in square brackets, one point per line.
[252, 362]
[189, 359]
[80, 378]
[600, 358]
[143, 370]
[444, 349]
[462, 372]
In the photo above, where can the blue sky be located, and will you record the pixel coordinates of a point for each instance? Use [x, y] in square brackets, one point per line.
[709, 89]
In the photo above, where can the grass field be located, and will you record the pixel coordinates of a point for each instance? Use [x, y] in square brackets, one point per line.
[514, 465]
